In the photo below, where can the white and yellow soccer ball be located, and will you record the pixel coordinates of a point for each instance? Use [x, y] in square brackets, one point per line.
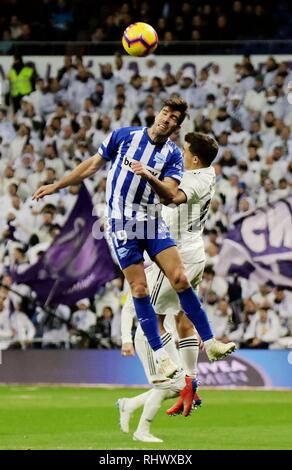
[140, 39]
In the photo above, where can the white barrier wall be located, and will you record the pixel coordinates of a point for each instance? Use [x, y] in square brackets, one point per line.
[226, 62]
[245, 368]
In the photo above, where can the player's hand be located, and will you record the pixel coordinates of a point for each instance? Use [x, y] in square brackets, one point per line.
[140, 170]
[255, 342]
[45, 190]
[128, 349]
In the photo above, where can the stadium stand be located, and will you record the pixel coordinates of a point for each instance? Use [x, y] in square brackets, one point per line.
[24, 26]
[65, 119]
[54, 122]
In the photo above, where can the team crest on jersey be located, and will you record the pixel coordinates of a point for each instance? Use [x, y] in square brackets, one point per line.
[159, 158]
[123, 252]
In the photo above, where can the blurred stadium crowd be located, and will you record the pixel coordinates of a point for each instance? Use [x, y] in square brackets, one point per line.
[62, 20]
[53, 124]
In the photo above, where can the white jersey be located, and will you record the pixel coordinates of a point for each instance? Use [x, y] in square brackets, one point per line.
[186, 222]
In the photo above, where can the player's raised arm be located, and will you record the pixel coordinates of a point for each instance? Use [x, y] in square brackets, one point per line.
[82, 171]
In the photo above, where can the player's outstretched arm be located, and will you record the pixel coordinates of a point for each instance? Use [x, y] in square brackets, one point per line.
[82, 171]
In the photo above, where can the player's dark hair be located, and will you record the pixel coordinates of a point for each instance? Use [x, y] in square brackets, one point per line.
[202, 145]
[176, 103]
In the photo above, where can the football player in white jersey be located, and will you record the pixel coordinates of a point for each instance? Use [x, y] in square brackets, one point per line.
[147, 165]
[186, 223]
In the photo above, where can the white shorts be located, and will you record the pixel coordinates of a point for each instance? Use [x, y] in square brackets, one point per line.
[163, 297]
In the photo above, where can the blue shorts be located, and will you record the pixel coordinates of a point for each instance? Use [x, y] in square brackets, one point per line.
[129, 249]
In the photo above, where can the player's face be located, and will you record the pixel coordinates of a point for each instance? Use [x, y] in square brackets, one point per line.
[166, 121]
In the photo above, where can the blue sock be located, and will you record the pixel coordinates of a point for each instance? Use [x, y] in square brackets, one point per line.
[193, 309]
[148, 321]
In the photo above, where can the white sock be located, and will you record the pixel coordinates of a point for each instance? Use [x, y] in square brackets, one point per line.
[189, 351]
[208, 343]
[170, 348]
[160, 354]
[135, 402]
[151, 407]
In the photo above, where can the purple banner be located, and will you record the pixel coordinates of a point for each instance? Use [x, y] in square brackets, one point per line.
[260, 246]
[76, 265]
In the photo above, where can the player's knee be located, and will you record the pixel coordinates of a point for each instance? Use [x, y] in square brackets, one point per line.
[180, 281]
[139, 289]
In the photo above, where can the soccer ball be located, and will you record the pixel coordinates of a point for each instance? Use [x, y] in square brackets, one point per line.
[140, 39]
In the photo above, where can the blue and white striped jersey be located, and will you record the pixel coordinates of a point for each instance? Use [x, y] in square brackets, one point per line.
[128, 195]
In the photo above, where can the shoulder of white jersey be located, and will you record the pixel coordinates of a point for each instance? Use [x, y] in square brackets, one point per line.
[202, 174]
[208, 171]
[197, 182]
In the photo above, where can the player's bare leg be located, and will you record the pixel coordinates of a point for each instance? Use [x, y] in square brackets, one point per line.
[135, 275]
[162, 329]
[170, 262]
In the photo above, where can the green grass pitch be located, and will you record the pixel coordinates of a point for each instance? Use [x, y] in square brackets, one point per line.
[86, 418]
